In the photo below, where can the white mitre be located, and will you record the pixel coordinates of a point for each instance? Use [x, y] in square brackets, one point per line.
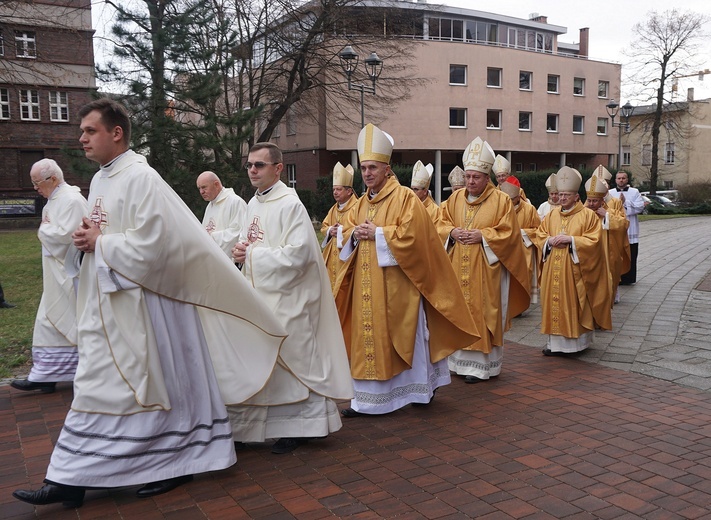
[595, 187]
[343, 176]
[421, 175]
[501, 164]
[478, 156]
[374, 144]
[568, 179]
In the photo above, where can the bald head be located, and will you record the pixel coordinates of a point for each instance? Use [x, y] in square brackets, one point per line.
[209, 185]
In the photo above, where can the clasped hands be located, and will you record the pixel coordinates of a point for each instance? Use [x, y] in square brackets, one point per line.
[466, 236]
[84, 237]
[365, 231]
[560, 241]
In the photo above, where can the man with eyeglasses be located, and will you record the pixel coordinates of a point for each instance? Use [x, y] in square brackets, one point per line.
[281, 259]
[54, 339]
[147, 409]
[575, 289]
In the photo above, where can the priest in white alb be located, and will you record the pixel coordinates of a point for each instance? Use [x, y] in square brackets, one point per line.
[281, 259]
[54, 338]
[225, 213]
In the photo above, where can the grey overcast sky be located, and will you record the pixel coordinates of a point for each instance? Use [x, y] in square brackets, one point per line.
[610, 23]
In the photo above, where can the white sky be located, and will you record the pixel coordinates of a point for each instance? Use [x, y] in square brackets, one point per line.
[610, 23]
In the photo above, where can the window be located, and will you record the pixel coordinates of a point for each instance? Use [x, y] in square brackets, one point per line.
[277, 132]
[457, 74]
[58, 106]
[669, 153]
[553, 82]
[646, 155]
[457, 117]
[493, 77]
[552, 123]
[626, 155]
[2, 43]
[519, 167]
[4, 103]
[668, 185]
[25, 44]
[29, 105]
[524, 121]
[532, 167]
[578, 124]
[291, 175]
[578, 87]
[603, 89]
[601, 126]
[525, 80]
[493, 119]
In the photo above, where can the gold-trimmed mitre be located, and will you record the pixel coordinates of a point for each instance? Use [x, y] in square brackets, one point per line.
[343, 175]
[374, 144]
[478, 156]
[602, 173]
[421, 175]
[510, 189]
[568, 179]
[595, 187]
[501, 164]
[456, 177]
[551, 184]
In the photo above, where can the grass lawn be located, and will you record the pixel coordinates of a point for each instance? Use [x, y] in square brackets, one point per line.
[21, 277]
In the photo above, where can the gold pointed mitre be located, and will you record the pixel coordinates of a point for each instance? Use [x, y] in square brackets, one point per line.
[478, 156]
[343, 176]
[595, 187]
[568, 179]
[602, 173]
[551, 184]
[501, 165]
[510, 189]
[374, 144]
[421, 175]
[456, 177]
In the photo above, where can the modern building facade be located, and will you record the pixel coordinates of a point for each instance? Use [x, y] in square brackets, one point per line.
[46, 75]
[537, 101]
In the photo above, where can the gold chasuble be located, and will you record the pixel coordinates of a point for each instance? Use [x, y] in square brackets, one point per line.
[330, 252]
[618, 243]
[493, 214]
[378, 306]
[575, 295]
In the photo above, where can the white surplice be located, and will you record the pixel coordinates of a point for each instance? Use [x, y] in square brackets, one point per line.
[224, 217]
[285, 266]
[146, 401]
[54, 339]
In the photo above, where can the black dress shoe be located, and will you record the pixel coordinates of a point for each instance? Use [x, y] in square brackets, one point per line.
[162, 486]
[69, 496]
[288, 444]
[6, 305]
[549, 352]
[425, 404]
[472, 379]
[350, 412]
[27, 386]
[240, 446]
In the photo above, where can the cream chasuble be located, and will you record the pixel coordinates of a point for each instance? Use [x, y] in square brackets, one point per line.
[152, 240]
[481, 268]
[528, 221]
[224, 218]
[54, 339]
[575, 293]
[379, 306]
[331, 245]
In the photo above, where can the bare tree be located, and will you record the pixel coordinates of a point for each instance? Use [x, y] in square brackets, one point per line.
[666, 46]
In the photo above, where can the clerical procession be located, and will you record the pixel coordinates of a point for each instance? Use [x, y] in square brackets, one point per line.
[187, 342]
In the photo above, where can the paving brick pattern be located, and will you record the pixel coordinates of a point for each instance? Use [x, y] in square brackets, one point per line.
[608, 435]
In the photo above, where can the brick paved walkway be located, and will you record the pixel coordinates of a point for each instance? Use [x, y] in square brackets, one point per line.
[621, 432]
[549, 438]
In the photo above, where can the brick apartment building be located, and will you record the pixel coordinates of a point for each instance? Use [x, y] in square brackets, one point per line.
[46, 74]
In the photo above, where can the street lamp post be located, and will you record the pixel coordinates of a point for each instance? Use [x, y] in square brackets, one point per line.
[373, 67]
[625, 113]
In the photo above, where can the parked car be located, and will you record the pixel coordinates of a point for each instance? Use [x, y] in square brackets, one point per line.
[656, 199]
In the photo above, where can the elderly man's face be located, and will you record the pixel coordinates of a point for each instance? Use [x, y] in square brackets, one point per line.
[375, 174]
[421, 193]
[567, 199]
[553, 197]
[208, 189]
[501, 177]
[475, 182]
[342, 193]
[43, 185]
[621, 179]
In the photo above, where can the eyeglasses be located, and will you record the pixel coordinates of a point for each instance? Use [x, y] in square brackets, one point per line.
[258, 165]
[37, 183]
